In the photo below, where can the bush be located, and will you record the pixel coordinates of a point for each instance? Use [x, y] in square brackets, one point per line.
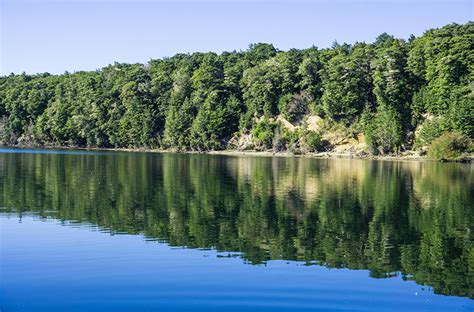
[264, 133]
[450, 146]
[288, 139]
[430, 130]
[313, 140]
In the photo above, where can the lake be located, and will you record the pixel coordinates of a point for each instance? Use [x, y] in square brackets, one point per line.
[116, 231]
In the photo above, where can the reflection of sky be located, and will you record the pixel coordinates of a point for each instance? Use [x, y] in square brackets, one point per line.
[58, 35]
[12, 150]
[9, 150]
[47, 267]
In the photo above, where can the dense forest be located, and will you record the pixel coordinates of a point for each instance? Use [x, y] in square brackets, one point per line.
[392, 218]
[389, 96]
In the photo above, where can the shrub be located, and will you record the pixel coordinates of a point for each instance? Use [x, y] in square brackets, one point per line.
[288, 139]
[430, 130]
[313, 140]
[450, 146]
[264, 133]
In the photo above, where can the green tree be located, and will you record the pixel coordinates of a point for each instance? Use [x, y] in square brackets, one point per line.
[261, 87]
[347, 83]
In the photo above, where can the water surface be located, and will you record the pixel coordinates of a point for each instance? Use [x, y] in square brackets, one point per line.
[87, 231]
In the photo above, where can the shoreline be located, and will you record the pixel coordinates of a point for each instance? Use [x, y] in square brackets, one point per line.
[409, 155]
[405, 156]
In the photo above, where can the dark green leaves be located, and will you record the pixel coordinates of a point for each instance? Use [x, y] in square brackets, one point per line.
[200, 101]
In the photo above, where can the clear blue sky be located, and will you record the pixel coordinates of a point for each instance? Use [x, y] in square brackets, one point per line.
[54, 36]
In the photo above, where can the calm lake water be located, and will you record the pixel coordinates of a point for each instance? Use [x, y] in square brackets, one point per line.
[87, 231]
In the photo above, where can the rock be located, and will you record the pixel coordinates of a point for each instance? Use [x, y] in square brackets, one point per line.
[314, 123]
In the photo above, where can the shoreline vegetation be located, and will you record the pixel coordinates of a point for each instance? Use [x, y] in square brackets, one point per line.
[405, 156]
[393, 98]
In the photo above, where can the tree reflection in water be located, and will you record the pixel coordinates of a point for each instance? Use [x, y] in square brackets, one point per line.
[409, 218]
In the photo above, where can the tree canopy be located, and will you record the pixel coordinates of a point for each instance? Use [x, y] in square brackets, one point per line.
[385, 90]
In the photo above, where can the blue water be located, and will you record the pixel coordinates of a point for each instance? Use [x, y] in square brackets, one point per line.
[106, 231]
[47, 266]
[11, 150]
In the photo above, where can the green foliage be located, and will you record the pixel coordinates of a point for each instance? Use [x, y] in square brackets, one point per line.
[417, 107]
[209, 75]
[309, 72]
[450, 146]
[461, 111]
[178, 124]
[383, 130]
[263, 133]
[290, 62]
[347, 82]
[261, 87]
[430, 129]
[198, 101]
[134, 125]
[287, 140]
[260, 52]
[392, 85]
[313, 141]
[215, 122]
[442, 59]
[294, 106]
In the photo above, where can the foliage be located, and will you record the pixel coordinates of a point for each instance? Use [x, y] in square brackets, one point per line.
[450, 146]
[261, 87]
[263, 133]
[429, 130]
[294, 106]
[313, 140]
[392, 85]
[215, 122]
[442, 62]
[288, 140]
[461, 111]
[383, 130]
[198, 101]
[347, 82]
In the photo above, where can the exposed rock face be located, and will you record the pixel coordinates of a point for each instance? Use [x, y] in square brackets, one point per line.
[336, 139]
[314, 123]
[285, 123]
[351, 146]
[241, 142]
[309, 122]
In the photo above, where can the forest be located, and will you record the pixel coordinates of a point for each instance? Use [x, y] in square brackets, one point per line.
[389, 96]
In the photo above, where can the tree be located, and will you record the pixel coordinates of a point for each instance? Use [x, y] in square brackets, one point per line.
[310, 71]
[135, 125]
[396, 92]
[261, 87]
[393, 93]
[215, 122]
[260, 52]
[347, 83]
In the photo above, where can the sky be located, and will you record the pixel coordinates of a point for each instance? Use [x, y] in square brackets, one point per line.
[71, 35]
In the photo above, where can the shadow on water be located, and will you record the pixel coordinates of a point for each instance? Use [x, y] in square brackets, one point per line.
[410, 218]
